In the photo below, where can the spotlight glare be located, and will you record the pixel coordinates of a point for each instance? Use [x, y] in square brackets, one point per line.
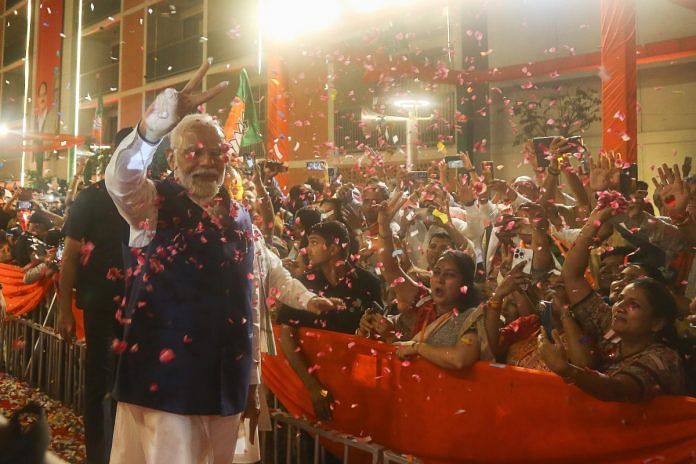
[411, 103]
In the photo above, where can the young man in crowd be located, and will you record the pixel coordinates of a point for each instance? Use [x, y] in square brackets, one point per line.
[330, 275]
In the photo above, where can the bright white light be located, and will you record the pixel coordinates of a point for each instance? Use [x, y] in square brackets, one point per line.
[374, 5]
[368, 5]
[4, 130]
[411, 103]
[285, 20]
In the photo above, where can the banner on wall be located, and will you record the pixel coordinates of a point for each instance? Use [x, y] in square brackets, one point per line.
[46, 86]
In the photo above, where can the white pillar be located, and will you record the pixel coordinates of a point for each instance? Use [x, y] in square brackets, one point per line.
[411, 139]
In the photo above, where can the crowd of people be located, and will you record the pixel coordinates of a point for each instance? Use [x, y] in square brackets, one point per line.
[561, 272]
[575, 270]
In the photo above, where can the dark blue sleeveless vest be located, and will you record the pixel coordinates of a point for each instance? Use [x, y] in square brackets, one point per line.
[188, 345]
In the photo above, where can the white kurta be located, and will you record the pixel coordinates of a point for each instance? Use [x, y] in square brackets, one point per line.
[148, 436]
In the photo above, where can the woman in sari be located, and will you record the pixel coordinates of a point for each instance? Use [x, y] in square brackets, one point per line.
[443, 324]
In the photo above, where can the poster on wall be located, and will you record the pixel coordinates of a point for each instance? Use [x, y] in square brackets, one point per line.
[46, 91]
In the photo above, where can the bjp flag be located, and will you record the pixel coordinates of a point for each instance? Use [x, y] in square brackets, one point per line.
[242, 125]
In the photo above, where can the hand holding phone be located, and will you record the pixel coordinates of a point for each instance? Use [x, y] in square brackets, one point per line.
[544, 147]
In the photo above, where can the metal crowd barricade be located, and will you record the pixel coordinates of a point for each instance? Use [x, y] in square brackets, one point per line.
[33, 352]
[302, 443]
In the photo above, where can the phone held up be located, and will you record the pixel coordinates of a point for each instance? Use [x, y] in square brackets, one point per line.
[542, 145]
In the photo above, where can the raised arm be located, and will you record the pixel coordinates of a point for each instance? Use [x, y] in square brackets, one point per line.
[406, 290]
[573, 271]
[126, 181]
[674, 195]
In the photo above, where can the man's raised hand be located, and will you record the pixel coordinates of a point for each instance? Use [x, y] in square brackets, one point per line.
[171, 106]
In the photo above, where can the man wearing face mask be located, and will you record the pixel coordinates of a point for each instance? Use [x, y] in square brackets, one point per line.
[185, 355]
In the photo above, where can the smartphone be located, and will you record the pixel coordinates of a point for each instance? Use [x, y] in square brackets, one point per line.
[542, 145]
[316, 165]
[332, 173]
[248, 164]
[523, 254]
[377, 308]
[24, 204]
[546, 317]
[454, 162]
[628, 178]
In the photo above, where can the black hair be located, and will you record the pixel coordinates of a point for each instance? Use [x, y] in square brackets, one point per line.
[39, 217]
[650, 269]
[378, 186]
[442, 235]
[333, 232]
[308, 217]
[467, 268]
[317, 185]
[53, 237]
[336, 203]
[664, 306]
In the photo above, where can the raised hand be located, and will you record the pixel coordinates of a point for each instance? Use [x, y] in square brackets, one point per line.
[388, 209]
[672, 190]
[515, 280]
[553, 354]
[599, 216]
[171, 106]
[604, 174]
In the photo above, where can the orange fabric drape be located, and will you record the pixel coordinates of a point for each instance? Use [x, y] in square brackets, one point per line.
[618, 73]
[23, 298]
[486, 414]
[277, 144]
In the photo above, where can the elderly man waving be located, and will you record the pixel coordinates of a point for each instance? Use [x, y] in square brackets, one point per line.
[185, 356]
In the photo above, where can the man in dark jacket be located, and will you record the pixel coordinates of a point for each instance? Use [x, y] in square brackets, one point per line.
[185, 357]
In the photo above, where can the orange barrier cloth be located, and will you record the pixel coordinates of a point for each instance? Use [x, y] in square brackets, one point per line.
[23, 298]
[486, 414]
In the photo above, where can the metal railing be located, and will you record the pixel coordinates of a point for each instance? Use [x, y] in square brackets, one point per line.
[296, 440]
[31, 351]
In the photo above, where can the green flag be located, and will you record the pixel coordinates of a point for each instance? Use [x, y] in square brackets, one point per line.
[242, 125]
[97, 123]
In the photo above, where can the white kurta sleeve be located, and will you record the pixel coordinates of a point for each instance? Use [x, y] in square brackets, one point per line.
[133, 193]
[290, 290]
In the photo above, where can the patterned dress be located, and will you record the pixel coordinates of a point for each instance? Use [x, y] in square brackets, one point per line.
[658, 369]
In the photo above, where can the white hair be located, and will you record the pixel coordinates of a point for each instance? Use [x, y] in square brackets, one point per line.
[204, 119]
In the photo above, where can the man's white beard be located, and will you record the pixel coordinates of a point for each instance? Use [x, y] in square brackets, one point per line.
[199, 189]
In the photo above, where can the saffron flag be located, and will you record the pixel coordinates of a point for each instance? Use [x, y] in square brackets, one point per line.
[242, 125]
[97, 122]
